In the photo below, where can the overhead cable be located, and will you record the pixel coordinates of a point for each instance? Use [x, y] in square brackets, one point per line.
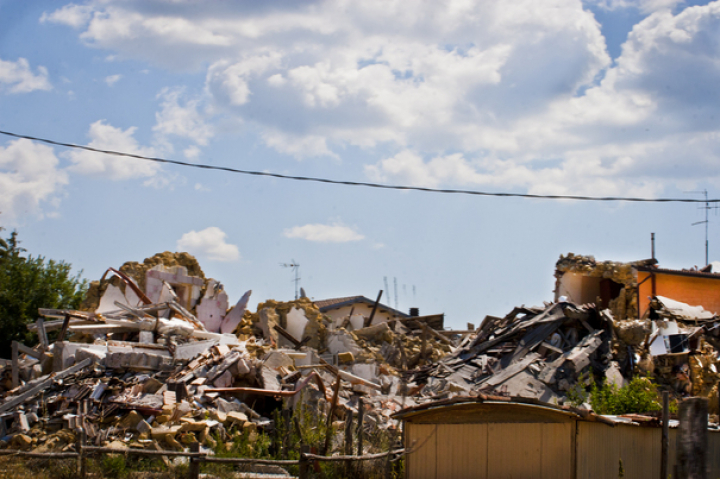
[362, 183]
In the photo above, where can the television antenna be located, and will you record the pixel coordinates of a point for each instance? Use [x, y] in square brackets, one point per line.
[707, 208]
[296, 268]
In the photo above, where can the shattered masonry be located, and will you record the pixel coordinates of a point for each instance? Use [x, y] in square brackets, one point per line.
[163, 360]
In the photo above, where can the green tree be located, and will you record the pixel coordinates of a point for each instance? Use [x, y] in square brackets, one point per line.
[28, 283]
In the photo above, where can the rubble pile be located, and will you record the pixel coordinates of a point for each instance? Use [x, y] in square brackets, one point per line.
[531, 352]
[158, 360]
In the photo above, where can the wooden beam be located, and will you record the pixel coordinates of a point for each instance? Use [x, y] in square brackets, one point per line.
[437, 335]
[15, 401]
[29, 351]
[42, 334]
[368, 322]
[63, 331]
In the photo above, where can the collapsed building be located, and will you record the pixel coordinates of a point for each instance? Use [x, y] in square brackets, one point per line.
[158, 358]
[609, 322]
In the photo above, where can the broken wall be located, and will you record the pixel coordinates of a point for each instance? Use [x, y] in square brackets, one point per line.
[360, 310]
[608, 284]
[301, 318]
[138, 273]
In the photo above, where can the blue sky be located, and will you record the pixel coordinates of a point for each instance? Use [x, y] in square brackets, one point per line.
[609, 97]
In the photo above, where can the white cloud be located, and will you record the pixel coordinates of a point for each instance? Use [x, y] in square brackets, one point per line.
[72, 15]
[211, 243]
[181, 120]
[31, 180]
[112, 79]
[517, 94]
[107, 137]
[19, 78]
[335, 233]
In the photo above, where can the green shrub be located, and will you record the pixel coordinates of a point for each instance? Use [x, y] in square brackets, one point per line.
[638, 396]
[114, 466]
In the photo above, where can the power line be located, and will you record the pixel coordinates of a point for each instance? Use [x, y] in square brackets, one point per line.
[362, 183]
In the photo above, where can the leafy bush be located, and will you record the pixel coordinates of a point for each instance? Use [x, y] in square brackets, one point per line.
[638, 396]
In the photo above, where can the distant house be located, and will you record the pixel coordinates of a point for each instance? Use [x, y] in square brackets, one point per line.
[339, 309]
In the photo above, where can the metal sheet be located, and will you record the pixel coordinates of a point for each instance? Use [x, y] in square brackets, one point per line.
[602, 450]
[421, 463]
[462, 451]
[514, 450]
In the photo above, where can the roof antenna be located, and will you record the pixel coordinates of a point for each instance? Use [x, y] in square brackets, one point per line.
[396, 294]
[295, 267]
[707, 208]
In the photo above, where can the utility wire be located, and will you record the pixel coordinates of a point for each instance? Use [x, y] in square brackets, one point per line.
[362, 183]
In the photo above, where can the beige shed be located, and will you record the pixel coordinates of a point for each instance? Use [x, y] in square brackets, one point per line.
[518, 438]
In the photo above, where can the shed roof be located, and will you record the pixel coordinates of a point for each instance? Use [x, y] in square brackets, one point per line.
[487, 408]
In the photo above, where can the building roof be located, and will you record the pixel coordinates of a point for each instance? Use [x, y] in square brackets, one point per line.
[692, 274]
[337, 303]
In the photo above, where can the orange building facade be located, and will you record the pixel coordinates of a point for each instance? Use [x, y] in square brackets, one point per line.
[690, 287]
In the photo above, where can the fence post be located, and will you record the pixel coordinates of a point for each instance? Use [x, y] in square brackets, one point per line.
[692, 439]
[348, 432]
[304, 463]
[80, 446]
[665, 436]
[360, 426]
[288, 422]
[194, 469]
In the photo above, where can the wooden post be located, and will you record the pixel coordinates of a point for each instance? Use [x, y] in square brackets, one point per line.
[194, 469]
[304, 463]
[348, 432]
[80, 441]
[388, 463]
[287, 421]
[15, 365]
[692, 439]
[361, 411]
[328, 424]
[665, 435]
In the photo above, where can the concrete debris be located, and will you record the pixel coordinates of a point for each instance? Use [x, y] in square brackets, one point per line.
[157, 359]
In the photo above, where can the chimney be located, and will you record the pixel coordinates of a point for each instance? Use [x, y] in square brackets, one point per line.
[414, 312]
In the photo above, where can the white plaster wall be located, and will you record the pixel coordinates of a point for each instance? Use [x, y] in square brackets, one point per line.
[361, 310]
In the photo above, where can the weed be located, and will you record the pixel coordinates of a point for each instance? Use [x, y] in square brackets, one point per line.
[114, 466]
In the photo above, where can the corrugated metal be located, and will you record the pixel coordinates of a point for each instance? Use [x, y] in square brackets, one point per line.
[557, 451]
[462, 451]
[490, 451]
[514, 450]
[422, 462]
[600, 450]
